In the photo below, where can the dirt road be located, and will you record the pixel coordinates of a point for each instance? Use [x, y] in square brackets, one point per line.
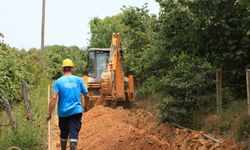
[119, 129]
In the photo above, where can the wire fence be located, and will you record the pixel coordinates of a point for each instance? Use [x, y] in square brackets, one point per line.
[220, 83]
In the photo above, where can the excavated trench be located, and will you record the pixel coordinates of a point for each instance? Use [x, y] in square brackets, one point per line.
[105, 128]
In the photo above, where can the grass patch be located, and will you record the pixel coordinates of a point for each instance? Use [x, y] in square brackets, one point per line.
[233, 122]
[29, 135]
[242, 127]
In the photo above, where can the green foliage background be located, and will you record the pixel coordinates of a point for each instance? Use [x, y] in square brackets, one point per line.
[174, 54]
[16, 66]
[55, 54]
[12, 72]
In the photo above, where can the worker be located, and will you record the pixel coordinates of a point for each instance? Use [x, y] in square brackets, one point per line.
[69, 89]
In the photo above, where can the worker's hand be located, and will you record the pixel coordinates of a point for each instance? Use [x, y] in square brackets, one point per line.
[48, 116]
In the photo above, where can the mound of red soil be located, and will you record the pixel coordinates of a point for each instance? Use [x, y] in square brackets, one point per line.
[104, 128]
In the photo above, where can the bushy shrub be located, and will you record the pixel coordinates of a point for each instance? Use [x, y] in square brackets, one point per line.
[32, 65]
[12, 72]
[186, 80]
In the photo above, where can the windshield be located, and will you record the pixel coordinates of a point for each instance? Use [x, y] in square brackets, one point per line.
[91, 64]
[101, 60]
[97, 61]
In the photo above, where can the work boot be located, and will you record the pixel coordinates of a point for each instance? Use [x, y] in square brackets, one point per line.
[73, 145]
[63, 145]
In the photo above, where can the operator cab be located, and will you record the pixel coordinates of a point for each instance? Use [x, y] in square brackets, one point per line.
[97, 60]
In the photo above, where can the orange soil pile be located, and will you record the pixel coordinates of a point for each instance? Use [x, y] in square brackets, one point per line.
[111, 129]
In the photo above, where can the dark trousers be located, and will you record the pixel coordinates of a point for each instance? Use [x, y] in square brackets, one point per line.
[70, 127]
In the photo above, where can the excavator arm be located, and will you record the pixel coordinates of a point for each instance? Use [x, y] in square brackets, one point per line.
[116, 62]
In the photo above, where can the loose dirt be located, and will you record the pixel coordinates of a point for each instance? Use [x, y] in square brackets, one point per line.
[104, 128]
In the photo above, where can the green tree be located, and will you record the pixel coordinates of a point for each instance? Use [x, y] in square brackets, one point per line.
[139, 33]
[216, 30]
[1, 35]
[56, 54]
[32, 61]
[174, 54]
[245, 2]
[101, 30]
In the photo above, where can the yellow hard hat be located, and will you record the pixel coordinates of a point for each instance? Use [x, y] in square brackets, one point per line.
[67, 63]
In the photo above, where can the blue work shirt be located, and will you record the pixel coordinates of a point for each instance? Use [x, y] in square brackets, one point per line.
[69, 89]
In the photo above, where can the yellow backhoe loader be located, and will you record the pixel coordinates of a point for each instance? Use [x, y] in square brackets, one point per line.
[105, 79]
